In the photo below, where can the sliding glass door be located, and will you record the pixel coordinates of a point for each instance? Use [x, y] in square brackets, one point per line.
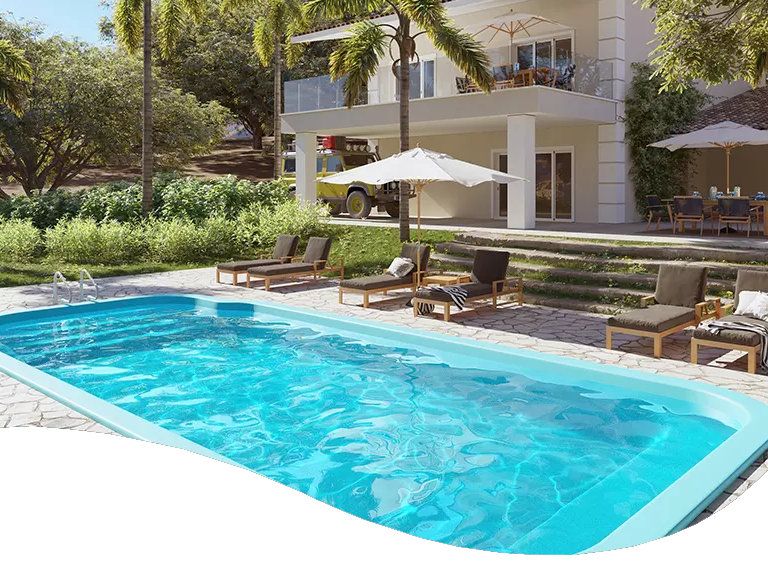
[554, 184]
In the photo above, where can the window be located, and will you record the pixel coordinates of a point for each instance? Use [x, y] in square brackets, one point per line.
[556, 53]
[422, 80]
[289, 166]
[333, 164]
[525, 56]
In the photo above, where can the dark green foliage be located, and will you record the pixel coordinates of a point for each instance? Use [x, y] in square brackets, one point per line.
[44, 209]
[652, 115]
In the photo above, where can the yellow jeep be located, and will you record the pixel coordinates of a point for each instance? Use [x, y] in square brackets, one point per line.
[357, 199]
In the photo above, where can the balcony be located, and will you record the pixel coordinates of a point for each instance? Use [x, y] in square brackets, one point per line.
[580, 73]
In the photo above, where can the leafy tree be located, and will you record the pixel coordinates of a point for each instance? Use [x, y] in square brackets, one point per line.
[83, 107]
[15, 72]
[653, 115]
[357, 58]
[276, 22]
[712, 40]
[133, 28]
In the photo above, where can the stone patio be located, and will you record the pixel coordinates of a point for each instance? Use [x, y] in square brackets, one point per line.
[562, 332]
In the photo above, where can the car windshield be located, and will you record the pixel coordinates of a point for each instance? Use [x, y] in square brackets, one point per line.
[355, 160]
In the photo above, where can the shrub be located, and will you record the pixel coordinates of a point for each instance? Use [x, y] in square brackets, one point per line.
[117, 201]
[84, 241]
[195, 199]
[182, 241]
[259, 226]
[20, 241]
[43, 209]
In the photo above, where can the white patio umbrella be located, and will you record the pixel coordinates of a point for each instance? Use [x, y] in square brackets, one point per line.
[725, 135]
[420, 167]
[514, 24]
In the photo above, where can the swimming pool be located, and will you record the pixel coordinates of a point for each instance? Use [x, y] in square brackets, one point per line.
[470, 444]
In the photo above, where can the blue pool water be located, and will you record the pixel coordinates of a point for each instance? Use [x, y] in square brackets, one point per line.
[487, 456]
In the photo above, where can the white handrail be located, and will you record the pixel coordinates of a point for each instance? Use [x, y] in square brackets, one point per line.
[59, 278]
[84, 274]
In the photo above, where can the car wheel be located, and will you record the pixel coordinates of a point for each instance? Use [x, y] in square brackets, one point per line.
[359, 204]
[393, 209]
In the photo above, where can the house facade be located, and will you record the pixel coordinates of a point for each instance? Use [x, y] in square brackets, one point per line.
[555, 117]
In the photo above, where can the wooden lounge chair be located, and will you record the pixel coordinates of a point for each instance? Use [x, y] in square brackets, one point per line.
[314, 263]
[489, 282]
[284, 251]
[679, 303]
[384, 283]
[754, 281]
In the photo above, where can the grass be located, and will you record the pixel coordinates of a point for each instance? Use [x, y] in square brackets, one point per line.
[366, 250]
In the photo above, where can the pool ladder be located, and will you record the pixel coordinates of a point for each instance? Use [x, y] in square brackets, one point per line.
[59, 280]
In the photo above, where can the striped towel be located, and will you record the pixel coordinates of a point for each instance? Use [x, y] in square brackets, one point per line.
[457, 293]
[717, 326]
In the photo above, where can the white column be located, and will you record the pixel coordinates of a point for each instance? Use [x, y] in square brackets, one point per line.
[306, 167]
[521, 161]
[614, 196]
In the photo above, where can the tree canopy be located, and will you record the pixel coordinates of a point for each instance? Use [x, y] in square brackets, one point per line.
[712, 40]
[84, 107]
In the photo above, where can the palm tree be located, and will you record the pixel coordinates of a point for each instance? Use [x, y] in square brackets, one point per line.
[357, 57]
[133, 26]
[15, 72]
[276, 21]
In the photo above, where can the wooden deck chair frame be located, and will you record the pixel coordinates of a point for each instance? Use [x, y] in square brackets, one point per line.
[504, 287]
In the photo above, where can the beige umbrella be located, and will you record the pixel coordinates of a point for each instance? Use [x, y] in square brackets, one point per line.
[419, 168]
[725, 135]
[515, 24]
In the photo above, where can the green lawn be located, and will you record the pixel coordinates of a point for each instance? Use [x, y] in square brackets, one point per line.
[366, 250]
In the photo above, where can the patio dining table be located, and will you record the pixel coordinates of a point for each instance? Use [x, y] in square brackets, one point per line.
[710, 203]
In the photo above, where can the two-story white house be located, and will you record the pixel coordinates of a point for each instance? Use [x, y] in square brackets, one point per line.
[555, 117]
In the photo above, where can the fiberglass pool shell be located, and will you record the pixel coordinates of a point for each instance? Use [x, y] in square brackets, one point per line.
[466, 443]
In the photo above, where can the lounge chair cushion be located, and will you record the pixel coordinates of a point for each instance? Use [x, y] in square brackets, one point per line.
[490, 266]
[285, 247]
[657, 318]
[317, 249]
[280, 269]
[245, 265]
[474, 290]
[752, 280]
[418, 254]
[733, 336]
[681, 285]
[377, 282]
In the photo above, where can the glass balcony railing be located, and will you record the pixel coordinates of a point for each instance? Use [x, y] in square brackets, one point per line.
[318, 93]
[580, 73]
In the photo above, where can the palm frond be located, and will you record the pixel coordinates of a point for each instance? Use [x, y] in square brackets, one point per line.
[12, 95]
[235, 5]
[357, 58]
[195, 8]
[263, 42]
[336, 9]
[13, 64]
[170, 20]
[129, 23]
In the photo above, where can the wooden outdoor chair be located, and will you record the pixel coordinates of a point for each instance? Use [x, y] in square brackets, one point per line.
[733, 210]
[656, 211]
[314, 263]
[685, 210]
[284, 251]
[679, 303]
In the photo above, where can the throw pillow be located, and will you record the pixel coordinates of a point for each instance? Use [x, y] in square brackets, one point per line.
[758, 307]
[401, 267]
[746, 298]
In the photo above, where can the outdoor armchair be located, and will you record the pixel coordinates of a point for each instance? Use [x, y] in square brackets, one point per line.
[679, 303]
[741, 340]
[283, 252]
[386, 282]
[656, 211]
[733, 210]
[489, 282]
[314, 263]
[687, 209]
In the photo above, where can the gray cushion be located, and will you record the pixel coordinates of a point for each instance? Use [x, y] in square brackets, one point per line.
[490, 266]
[473, 289]
[317, 249]
[245, 265]
[656, 318]
[681, 285]
[750, 280]
[285, 247]
[279, 269]
[733, 336]
[376, 282]
[418, 254]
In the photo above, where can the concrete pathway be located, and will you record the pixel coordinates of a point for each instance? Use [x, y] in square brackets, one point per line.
[562, 332]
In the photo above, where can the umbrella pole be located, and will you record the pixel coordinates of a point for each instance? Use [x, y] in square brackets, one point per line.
[418, 210]
[727, 169]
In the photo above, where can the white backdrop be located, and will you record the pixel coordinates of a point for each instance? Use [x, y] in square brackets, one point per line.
[83, 503]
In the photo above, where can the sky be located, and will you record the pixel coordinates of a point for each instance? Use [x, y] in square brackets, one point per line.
[70, 18]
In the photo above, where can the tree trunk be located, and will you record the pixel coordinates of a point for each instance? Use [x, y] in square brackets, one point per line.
[278, 129]
[405, 96]
[147, 156]
[257, 137]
